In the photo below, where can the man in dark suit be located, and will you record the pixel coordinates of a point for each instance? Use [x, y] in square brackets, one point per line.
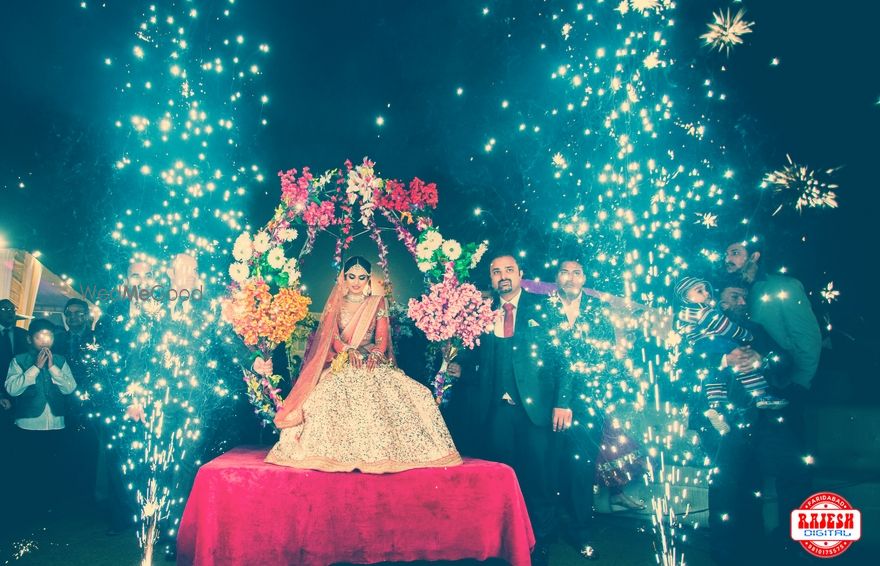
[81, 442]
[13, 341]
[584, 342]
[515, 398]
[72, 342]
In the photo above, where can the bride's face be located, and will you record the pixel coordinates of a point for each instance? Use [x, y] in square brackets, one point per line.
[356, 280]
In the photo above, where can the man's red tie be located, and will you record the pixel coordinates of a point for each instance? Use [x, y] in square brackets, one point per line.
[508, 320]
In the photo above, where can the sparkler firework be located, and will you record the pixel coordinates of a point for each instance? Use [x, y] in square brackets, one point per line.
[643, 181]
[726, 31]
[160, 374]
[810, 189]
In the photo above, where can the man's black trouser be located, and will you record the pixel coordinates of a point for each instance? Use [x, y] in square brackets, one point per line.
[767, 448]
[516, 441]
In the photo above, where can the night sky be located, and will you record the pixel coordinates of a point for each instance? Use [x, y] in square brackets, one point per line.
[334, 67]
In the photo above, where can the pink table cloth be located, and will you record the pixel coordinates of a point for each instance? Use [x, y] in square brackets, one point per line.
[243, 511]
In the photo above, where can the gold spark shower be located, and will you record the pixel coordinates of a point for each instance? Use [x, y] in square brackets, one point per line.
[162, 371]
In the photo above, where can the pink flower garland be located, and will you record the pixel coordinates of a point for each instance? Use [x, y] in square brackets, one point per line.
[295, 191]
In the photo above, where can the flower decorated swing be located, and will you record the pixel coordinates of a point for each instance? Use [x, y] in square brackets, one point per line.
[266, 303]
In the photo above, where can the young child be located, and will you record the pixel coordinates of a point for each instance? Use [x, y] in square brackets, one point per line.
[708, 330]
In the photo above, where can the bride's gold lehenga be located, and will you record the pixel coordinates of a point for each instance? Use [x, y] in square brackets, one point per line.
[373, 420]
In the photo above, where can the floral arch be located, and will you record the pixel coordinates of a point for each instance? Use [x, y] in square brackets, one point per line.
[267, 305]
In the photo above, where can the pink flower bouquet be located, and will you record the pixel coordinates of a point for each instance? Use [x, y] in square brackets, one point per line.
[454, 313]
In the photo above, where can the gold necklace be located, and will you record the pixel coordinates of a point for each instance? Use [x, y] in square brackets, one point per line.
[346, 297]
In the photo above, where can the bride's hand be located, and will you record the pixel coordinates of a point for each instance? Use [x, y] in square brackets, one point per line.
[356, 359]
[374, 360]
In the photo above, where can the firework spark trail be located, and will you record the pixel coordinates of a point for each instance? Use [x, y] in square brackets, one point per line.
[829, 293]
[22, 548]
[160, 372]
[726, 31]
[810, 188]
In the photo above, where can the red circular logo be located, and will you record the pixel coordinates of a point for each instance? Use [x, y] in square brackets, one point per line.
[826, 525]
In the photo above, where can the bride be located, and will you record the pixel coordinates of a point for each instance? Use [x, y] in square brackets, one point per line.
[352, 408]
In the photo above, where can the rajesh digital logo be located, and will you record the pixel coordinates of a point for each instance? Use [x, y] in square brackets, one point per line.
[826, 525]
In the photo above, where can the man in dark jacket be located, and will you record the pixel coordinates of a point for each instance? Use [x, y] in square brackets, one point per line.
[13, 341]
[515, 398]
[76, 344]
[584, 344]
[73, 343]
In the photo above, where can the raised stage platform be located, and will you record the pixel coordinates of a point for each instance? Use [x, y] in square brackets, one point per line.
[243, 511]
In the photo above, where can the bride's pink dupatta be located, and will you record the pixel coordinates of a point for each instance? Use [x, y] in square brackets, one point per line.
[328, 340]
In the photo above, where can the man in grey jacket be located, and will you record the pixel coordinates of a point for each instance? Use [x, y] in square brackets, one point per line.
[780, 305]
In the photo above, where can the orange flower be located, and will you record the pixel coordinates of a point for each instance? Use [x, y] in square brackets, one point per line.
[287, 309]
[255, 313]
